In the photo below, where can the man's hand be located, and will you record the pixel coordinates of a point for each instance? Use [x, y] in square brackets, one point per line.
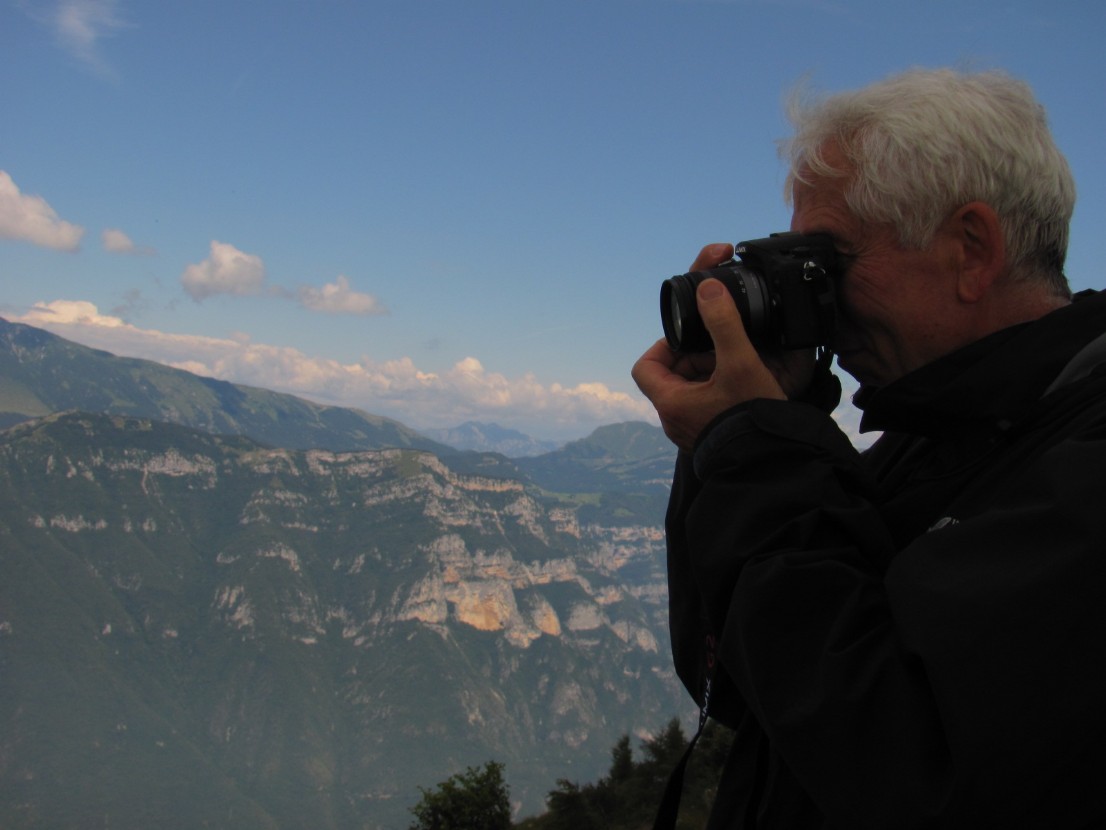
[690, 390]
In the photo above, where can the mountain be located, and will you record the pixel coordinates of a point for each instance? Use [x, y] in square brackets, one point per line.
[41, 373]
[199, 630]
[621, 458]
[491, 438]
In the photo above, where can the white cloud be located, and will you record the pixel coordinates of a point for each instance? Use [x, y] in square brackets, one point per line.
[30, 219]
[80, 25]
[395, 388]
[69, 313]
[337, 298]
[117, 242]
[226, 271]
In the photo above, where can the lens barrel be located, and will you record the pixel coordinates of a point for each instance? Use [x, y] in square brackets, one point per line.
[683, 326]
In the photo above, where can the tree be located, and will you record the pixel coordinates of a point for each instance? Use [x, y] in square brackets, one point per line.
[622, 761]
[476, 799]
[662, 753]
[628, 796]
[570, 808]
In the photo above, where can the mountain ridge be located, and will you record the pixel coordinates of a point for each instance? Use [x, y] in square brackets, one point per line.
[45, 373]
[491, 437]
[305, 636]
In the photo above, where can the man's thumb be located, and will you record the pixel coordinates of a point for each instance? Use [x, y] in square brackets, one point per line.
[718, 310]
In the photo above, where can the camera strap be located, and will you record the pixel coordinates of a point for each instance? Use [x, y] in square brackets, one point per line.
[669, 808]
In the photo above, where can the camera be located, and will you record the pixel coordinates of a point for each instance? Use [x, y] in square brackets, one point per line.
[783, 287]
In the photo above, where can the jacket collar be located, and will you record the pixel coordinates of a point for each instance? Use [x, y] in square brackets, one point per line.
[990, 383]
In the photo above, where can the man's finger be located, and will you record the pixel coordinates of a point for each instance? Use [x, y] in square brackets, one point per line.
[712, 255]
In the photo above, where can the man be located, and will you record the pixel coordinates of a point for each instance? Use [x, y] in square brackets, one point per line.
[912, 636]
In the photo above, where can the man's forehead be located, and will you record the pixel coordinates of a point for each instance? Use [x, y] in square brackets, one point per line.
[823, 176]
[828, 160]
[821, 193]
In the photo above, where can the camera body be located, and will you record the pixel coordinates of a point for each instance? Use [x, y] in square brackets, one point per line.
[783, 286]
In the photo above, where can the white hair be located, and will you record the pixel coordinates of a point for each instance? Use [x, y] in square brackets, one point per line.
[924, 143]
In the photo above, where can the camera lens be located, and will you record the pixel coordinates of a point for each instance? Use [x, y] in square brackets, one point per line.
[683, 327]
[677, 306]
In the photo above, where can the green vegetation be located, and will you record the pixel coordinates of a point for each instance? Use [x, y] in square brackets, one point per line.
[628, 796]
[625, 799]
[476, 799]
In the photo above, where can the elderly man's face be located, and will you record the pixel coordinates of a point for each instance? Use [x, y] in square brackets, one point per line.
[894, 301]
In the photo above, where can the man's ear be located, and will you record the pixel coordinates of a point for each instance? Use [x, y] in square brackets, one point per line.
[980, 247]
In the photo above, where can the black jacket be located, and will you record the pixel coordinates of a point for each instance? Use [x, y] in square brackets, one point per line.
[914, 636]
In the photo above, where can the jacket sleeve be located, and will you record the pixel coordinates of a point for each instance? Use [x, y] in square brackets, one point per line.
[694, 637]
[900, 688]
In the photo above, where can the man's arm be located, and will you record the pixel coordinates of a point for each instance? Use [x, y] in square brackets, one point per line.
[956, 680]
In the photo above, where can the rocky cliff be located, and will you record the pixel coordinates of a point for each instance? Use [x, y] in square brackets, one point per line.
[200, 629]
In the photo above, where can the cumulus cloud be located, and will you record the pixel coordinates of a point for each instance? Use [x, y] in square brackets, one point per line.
[29, 218]
[395, 388]
[227, 270]
[338, 298]
[69, 313]
[117, 242]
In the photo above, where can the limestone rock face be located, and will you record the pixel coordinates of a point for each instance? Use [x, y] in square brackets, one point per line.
[483, 590]
[306, 634]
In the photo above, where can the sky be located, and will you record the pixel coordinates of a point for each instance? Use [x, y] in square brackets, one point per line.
[446, 211]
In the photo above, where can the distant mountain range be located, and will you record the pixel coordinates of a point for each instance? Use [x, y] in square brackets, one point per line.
[491, 438]
[43, 373]
[218, 607]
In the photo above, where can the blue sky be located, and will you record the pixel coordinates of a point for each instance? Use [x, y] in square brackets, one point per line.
[443, 211]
